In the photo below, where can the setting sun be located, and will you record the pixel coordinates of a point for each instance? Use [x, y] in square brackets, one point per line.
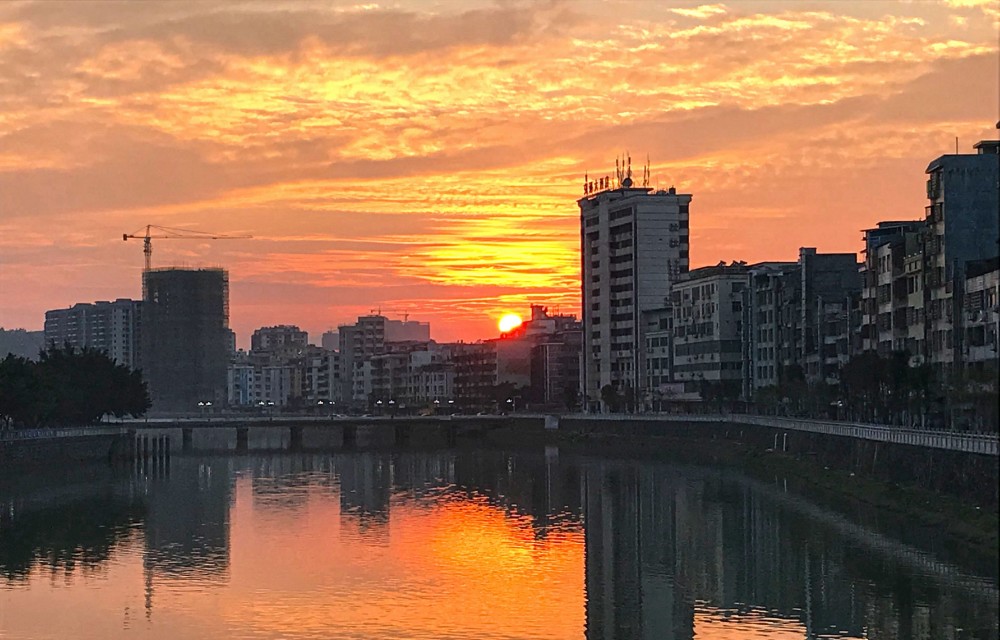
[509, 322]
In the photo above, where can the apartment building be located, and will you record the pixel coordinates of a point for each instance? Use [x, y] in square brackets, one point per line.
[963, 191]
[111, 327]
[634, 246]
[707, 308]
[770, 323]
[981, 315]
[892, 297]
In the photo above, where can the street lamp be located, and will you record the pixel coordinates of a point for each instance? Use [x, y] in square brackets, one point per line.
[378, 407]
[512, 404]
[392, 408]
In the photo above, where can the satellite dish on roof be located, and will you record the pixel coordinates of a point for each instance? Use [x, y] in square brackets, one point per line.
[627, 182]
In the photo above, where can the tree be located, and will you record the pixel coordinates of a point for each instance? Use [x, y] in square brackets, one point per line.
[610, 398]
[571, 396]
[69, 387]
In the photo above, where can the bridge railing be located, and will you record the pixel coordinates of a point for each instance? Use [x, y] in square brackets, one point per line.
[23, 435]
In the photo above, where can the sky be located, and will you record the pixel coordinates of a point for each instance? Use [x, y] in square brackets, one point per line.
[424, 158]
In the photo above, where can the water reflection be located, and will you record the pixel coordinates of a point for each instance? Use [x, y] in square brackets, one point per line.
[471, 544]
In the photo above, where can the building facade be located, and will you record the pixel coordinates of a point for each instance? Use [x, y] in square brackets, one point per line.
[634, 245]
[185, 337]
[708, 327]
[112, 327]
[770, 336]
[891, 286]
[963, 191]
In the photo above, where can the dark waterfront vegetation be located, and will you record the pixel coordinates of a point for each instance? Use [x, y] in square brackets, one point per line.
[68, 387]
[575, 541]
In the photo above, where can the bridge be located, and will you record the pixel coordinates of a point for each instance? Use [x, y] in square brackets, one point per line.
[974, 443]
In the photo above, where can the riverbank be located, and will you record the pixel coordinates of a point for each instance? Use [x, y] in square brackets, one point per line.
[969, 533]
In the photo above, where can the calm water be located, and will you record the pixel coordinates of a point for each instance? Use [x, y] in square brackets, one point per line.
[457, 544]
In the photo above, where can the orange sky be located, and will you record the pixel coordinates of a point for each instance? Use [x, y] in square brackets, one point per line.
[426, 156]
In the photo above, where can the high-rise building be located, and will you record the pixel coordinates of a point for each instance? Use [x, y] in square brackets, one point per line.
[772, 287]
[633, 247]
[185, 350]
[708, 327]
[964, 198]
[111, 327]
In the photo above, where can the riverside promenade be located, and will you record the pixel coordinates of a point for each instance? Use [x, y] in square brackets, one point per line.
[978, 443]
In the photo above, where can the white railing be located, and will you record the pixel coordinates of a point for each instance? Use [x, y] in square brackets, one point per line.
[980, 443]
[952, 441]
[24, 435]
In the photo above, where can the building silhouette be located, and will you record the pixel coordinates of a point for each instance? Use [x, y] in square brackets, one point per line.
[185, 337]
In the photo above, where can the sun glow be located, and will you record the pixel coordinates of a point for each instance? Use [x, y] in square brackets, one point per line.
[509, 322]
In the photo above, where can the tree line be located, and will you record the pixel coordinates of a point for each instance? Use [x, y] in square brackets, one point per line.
[68, 387]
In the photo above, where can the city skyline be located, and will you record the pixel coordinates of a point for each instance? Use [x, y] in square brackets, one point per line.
[428, 160]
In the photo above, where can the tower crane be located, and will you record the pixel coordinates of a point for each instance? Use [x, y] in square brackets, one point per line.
[167, 233]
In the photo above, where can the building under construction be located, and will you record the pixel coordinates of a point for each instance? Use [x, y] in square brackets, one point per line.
[185, 337]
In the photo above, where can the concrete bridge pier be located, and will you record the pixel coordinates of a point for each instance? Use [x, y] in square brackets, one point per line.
[187, 439]
[401, 434]
[350, 436]
[242, 439]
[295, 438]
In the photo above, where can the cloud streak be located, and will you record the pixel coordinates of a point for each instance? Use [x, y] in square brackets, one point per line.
[374, 151]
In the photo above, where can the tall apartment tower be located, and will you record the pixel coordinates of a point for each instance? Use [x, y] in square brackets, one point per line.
[633, 247]
[963, 191]
[185, 338]
[111, 327]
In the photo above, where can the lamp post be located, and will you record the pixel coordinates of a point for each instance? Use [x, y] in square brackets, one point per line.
[437, 406]
[451, 406]
[378, 407]
[392, 408]
[511, 405]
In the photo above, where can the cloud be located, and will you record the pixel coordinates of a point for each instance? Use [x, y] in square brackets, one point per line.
[372, 150]
[701, 12]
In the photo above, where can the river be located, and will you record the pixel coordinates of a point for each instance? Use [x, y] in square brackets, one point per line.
[461, 543]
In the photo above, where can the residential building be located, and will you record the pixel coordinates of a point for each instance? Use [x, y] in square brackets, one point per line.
[330, 341]
[280, 338]
[634, 246]
[772, 287]
[557, 344]
[963, 191]
[659, 355]
[111, 327]
[185, 351]
[830, 291]
[364, 339]
[19, 342]
[708, 327]
[891, 285]
[981, 315]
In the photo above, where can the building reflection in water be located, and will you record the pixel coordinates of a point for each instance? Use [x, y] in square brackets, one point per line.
[669, 552]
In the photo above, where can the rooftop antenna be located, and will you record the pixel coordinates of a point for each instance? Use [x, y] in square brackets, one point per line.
[956, 145]
[645, 173]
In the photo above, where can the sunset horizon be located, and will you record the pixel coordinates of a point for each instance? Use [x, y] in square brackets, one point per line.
[427, 160]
